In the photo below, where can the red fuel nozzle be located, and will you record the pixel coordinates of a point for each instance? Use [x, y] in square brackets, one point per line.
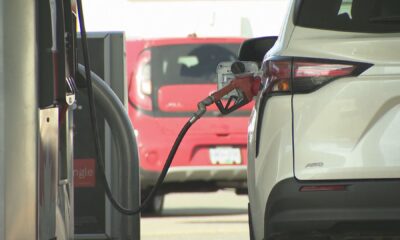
[248, 86]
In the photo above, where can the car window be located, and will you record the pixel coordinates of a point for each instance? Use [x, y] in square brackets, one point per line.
[370, 16]
[190, 63]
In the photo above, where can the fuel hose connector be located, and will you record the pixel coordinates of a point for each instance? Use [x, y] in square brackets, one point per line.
[201, 108]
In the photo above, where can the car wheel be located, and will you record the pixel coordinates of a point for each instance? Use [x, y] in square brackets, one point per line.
[250, 223]
[155, 206]
[241, 191]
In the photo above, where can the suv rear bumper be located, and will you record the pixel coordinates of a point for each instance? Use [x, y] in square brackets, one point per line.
[206, 173]
[216, 176]
[362, 208]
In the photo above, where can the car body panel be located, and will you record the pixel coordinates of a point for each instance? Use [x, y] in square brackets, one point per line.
[155, 143]
[336, 136]
[349, 132]
[158, 124]
[377, 101]
[345, 131]
[343, 46]
[275, 157]
[171, 99]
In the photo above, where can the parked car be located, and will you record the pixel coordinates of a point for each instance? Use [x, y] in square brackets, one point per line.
[167, 78]
[323, 147]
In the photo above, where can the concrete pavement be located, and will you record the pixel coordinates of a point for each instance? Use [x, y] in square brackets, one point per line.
[197, 216]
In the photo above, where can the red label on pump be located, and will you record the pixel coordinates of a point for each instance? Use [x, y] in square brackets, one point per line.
[84, 173]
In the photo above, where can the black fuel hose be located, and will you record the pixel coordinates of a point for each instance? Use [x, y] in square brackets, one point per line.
[107, 99]
[122, 134]
[86, 72]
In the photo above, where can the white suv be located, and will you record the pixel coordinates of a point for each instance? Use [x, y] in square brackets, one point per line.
[324, 137]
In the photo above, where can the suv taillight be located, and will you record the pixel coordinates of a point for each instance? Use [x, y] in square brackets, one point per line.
[300, 75]
[277, 75]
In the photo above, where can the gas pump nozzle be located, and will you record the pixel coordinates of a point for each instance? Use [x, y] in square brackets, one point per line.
[238, 83]
[247, 87]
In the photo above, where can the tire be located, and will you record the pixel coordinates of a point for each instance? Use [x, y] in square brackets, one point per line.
[250, 223]
[241, 191]
[155, 206]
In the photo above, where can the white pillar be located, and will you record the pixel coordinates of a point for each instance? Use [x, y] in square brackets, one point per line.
[18, 120]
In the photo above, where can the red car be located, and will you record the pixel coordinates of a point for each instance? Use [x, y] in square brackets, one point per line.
[166, 80]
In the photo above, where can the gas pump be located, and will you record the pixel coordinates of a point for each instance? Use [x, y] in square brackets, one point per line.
[37, 75]
[55, 37]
